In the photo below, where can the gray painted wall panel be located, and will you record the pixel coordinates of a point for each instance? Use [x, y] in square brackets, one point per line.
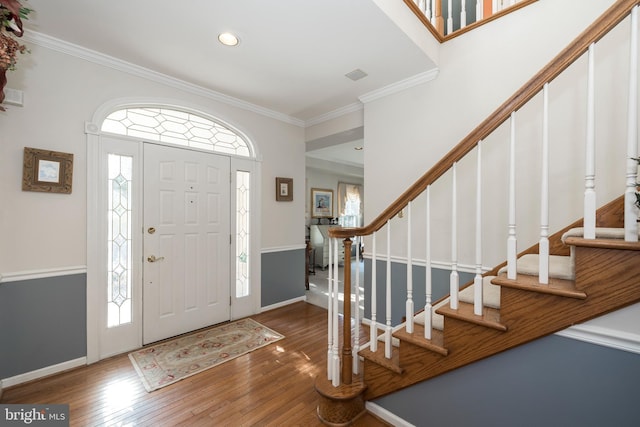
[282, 276]
[553, 381]
[42, 323]
[440, 283]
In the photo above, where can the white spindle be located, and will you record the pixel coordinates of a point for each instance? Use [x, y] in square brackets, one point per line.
[428, 285]
[387, 335]
[543, 251]
[463, 14]
[373, 330]
[356, 333]
[454, 278]
[409, 305]
[495, 6]
[479, 10]
[511, 239]
[630, 211]
[330, 316]
[478, 302]
[450, 18]
[590, 155]
[428, 10]
[336, 338]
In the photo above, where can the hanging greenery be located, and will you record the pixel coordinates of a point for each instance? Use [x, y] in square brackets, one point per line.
[11, 15]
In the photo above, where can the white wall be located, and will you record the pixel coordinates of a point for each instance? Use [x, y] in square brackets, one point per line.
[406, 133]
[47, 231]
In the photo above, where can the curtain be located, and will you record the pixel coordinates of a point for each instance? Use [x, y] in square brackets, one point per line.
[350, 204]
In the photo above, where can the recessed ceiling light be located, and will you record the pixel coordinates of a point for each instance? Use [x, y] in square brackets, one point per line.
[228, 39]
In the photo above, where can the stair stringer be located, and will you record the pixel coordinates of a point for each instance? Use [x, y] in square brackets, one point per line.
[525, 314]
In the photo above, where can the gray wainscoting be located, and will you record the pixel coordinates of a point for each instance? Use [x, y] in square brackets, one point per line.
[440, 283]
[42, 323]
[553, 381]
[282, 276]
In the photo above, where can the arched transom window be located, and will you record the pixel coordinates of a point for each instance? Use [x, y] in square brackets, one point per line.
[177, 127]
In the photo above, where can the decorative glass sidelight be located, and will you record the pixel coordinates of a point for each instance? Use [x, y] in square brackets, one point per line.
[176, 127]
[119, 218]
[243, 212]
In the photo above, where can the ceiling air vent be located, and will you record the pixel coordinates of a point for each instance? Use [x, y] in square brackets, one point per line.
[356, 74]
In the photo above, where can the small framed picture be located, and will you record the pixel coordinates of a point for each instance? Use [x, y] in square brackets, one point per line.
[284, 189]
[47, 171]
[321, 203]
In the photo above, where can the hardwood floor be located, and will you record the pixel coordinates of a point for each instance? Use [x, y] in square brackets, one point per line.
[272, 386]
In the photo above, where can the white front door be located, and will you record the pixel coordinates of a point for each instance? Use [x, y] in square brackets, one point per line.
[186, 228]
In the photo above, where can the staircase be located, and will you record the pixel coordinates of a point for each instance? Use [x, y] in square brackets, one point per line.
[585, 270]
[596, 277]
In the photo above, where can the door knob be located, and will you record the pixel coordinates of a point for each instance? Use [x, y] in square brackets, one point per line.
[153, 258]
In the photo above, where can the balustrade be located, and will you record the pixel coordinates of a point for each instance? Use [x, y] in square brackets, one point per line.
[421, 192]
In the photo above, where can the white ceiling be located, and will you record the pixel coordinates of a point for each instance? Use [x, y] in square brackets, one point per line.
[292, 57]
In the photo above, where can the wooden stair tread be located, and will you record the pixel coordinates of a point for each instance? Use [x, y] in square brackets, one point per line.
[559, 287]
[490, 316]
[378, 357]
[435, 344]
[603, 243]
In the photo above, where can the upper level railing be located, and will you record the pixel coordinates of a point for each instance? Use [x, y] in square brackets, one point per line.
[585, 43]
[446, 19]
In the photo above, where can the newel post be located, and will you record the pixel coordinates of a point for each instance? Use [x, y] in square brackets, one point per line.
[347, 357]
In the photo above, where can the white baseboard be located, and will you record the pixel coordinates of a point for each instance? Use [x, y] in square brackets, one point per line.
[603, 336]
[44, 372]
[282, 304]
[387, 416]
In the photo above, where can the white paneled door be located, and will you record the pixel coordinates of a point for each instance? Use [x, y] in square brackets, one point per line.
[186, 229]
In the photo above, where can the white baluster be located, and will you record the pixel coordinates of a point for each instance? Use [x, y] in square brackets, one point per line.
[590, 155]
[630, 211]
[409, 305]
[356, 334]
[478, 302]
[479, 10]
[428, 285]
[387, 335]
[373, 330]
[543, 251]
[511, 239]
[428, 11]
[463, 14]
[330, 318]
[336, 337]
[495, 6]
[450, 18]
[454, 278]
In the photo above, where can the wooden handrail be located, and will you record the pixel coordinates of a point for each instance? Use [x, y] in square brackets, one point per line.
[607, 21]
[438, 30]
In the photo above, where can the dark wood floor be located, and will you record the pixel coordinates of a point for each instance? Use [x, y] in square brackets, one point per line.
[272, 386]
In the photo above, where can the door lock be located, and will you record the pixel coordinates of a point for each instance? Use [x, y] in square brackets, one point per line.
[151, 230]
[153, 258]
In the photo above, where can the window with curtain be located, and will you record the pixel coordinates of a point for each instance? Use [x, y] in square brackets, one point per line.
[350, 205]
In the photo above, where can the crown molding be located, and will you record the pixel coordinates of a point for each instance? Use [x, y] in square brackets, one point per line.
[356, 106]
[145, 73]
[396, 87]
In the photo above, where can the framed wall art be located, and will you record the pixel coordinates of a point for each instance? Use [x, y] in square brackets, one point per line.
[321, 203]
[284, 189]
[47, 171]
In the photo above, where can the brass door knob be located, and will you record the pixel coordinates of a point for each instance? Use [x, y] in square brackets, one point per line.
[153, 258]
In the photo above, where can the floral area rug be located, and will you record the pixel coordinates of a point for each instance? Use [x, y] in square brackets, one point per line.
[171, 361]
